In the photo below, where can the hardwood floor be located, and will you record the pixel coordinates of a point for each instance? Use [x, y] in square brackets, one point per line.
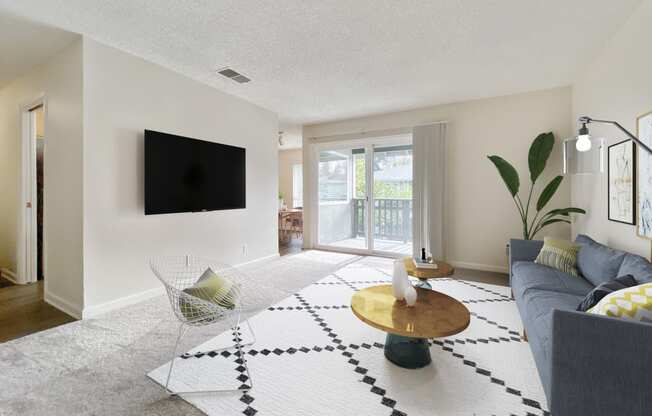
[493, 278]
[23, 311]
[4, 282]
[294, 246]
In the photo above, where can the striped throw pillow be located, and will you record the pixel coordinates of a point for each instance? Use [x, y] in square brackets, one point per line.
[559, 254]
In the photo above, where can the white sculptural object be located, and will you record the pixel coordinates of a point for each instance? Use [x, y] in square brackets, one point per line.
[410, 295]
[400, 279]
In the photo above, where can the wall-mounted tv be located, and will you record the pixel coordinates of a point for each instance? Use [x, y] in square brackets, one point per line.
[190, 175]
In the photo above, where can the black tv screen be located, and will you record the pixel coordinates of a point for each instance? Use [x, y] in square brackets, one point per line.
[189, 175]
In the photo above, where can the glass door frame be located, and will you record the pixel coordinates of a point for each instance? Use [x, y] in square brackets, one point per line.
[368, 144]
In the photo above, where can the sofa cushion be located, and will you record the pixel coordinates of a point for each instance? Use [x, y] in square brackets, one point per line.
[604, 289]
[527, 275]
[536, 307]
[638, 267]
[597, 262]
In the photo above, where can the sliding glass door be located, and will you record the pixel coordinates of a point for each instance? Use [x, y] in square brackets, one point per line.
[365, 196]
[342, 198]
[392, 196]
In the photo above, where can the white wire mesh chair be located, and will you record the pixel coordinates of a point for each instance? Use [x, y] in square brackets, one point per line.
[183, 272]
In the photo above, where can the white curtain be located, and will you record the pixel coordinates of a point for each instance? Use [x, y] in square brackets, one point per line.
[429, 189]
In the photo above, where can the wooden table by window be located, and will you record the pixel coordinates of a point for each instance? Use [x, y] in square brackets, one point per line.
[290, 223]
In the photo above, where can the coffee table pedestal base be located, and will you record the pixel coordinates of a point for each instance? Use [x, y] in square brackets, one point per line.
[407, 352]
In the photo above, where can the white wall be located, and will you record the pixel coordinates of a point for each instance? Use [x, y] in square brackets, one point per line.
[616, 85]
[287, 159]
[292, 138]
[60, 80]
[123, 95]
[481, 215]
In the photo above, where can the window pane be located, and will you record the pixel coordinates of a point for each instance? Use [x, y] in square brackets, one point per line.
[297, 186]
[393, 172]
[359, 176]
[392, 209]
[333, 175]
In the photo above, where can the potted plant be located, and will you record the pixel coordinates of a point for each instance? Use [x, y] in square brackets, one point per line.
[281, 202]
[538, 155]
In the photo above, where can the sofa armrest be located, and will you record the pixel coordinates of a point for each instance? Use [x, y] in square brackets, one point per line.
[600, 365]
[522, 250]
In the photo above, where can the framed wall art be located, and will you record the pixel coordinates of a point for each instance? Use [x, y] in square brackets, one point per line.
[621, 180]
[644, 175]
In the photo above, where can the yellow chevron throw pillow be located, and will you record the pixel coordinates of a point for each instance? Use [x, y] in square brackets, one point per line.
[634, 303]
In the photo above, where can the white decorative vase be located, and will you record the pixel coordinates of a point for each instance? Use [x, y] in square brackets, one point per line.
[399, 279]
[410, 295]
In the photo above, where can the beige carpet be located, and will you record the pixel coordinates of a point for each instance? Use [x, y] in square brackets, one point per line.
[99, 366]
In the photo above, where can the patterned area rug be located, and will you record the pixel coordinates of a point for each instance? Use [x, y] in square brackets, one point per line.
[312, 356]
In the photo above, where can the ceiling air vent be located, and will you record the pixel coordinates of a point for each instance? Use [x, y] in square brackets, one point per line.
[235, 76]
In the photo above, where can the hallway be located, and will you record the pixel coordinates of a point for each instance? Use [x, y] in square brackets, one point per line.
[23, 311]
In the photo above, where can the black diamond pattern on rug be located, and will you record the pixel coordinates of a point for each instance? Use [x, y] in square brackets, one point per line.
[348, 350]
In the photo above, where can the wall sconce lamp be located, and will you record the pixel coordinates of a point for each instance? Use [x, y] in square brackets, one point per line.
[583, 143]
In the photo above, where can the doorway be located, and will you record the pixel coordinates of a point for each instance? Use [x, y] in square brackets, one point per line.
[24, 310]
[364, 196]
[39, 130]
[31, 250]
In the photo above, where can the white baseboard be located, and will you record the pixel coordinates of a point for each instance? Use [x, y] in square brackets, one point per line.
[95, 310]
[258, 260]
[63, 305]
[9, 275]
[479, 266]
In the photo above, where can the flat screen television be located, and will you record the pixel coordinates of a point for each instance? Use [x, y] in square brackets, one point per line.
[190, 175]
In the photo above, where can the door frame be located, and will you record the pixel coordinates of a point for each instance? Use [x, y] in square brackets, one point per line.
[368, 144]
[27, 250]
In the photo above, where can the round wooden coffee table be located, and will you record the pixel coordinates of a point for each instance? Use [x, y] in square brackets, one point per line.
[443, 270]
[408, 329]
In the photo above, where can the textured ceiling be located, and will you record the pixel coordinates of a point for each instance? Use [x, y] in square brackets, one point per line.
[24, 44]
[314, 61]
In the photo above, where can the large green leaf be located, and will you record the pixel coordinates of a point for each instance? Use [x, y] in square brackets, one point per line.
[554, 220]
[564, 212]
[539, 153]
[548, 192]
[548, 222]
[508, 173]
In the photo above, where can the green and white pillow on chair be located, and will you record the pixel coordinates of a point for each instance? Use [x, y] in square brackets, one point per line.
[210, 287]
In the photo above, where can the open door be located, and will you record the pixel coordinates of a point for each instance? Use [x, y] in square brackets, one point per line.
[31, 244]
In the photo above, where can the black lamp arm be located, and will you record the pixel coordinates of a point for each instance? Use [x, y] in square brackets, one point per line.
[587, 120]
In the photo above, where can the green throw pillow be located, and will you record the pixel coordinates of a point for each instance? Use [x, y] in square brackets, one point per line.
[559, 254]
[209, 287]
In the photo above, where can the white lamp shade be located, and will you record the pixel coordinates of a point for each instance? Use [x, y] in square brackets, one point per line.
[578, 161]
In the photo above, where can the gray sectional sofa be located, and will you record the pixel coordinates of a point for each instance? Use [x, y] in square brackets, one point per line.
[588, 364]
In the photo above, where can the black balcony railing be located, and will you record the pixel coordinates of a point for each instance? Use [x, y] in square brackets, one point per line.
[392, 219]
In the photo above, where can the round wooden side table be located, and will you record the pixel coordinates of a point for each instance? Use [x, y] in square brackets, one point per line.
[409, 328]
[423, 274]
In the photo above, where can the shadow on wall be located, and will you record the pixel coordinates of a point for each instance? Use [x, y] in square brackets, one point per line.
[129, 159]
